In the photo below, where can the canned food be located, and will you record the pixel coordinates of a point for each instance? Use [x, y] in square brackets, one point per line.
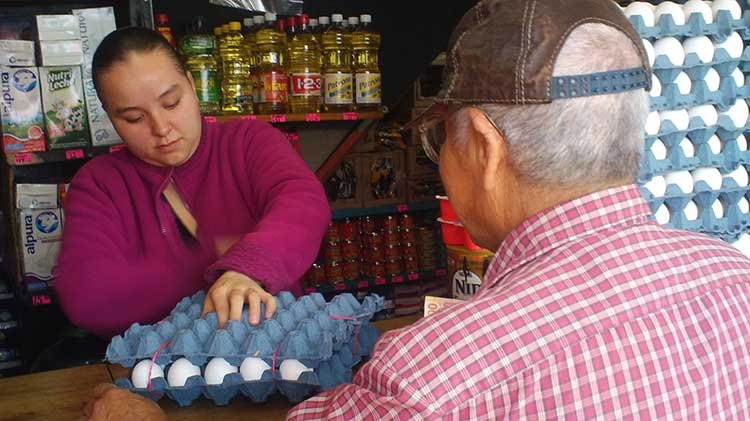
[392, 238]
[377, 269]
[406, 221]
[368, 225]
[393, 252]
[332, 234]
[411, 264]
[334, 271]
[394, 267]
[390, 223]
[317, 274]
[350, 250]
[407, 236]
[351, 269]
[332, 251]
[349, 230]
[374, 239]
[376, 254]
[409, 249]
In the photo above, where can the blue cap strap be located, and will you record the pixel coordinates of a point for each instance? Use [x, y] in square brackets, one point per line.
[603, 83]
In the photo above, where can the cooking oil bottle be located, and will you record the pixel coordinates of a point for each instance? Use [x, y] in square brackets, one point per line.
[366, 46]
[337, 67]
[235, 86]
[304, 69]
[270, 43]
[198, 48]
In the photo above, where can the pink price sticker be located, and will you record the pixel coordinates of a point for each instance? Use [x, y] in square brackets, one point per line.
[349, 116]
[23, 158]
[210, 119]
[362, 284]
[249, 117]
[379, 281]
[397, 279]
[74, 154]
[116, 148]
[339, 287]
[413, 276]
[41, 300]
[441, 272]
[402, 208]
[312, 117]
[278, 118]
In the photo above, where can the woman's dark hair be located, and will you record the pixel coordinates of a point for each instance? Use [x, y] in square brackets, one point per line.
[116, 47]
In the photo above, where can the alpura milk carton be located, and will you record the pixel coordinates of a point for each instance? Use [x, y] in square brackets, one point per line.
[21, 114]
[64, 107]
[40, 237]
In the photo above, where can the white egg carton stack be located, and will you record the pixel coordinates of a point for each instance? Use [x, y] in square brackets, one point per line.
[695, 171]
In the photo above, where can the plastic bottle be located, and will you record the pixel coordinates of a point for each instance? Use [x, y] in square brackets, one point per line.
[198, 48]
[163, 27]
[236, 89]
[323, 23]
[353, 23]
[271, 46]
[337, 68]
[367, 81]
[314, 26]
[259, 22]
[304, 69]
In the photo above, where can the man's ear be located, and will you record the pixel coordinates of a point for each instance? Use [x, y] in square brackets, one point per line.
[491, 148]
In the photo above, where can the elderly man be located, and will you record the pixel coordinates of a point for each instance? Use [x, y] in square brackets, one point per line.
[589, 309]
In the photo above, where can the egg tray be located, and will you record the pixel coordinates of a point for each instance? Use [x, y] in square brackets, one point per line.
[306, 329]
[699, 133]
[733, 222]
[672, 99]
[722, 62]
[695, 25]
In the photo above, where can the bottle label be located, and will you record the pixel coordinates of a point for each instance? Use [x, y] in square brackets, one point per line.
[205, 85]
[368, 88]
[275, 85]
[338, 88]
[306, 84]
[166, 32]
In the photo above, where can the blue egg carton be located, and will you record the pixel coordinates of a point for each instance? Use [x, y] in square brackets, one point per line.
[722, 26]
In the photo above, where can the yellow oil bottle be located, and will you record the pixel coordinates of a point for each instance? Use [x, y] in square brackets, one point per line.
[198, 48]
[304, 68]
[237, 95]
[270, 43]
[337, 67]
[367, 81]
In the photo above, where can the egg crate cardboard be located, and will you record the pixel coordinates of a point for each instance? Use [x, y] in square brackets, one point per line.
[733, 221]
[696, 69]
[725, 97]
[722, 26]
[306, 329]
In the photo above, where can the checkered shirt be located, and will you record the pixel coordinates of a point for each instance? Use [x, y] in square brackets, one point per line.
[589, 310]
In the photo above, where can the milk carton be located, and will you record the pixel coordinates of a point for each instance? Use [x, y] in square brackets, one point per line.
[94, 25]
[57, 27]
[17, 53]
[64, 107]
[61, 53]
[36, 196]
[40, 237]
[21, 110]
[102, 131]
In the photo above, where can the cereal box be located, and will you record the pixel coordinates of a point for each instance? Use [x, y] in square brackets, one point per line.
[21, 110]
[64, 107]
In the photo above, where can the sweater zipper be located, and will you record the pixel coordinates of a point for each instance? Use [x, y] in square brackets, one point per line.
[161, 201]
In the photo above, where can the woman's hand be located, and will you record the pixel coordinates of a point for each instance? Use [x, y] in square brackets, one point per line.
[109, 402]
[230, 293]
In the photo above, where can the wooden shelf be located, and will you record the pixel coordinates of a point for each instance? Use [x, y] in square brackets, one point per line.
[368, 283]
[59, 155]
[386, 210]
[301, 118]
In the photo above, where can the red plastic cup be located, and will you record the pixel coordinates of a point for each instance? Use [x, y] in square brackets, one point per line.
[453, 232]
[446, 210]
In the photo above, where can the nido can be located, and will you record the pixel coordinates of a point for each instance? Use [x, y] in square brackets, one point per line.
[466, 270]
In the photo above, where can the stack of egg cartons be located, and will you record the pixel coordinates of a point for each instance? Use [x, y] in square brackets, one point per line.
[695, 171]
[308, 346]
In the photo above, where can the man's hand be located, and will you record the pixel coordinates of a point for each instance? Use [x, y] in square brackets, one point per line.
[109, 402]
[230, 293]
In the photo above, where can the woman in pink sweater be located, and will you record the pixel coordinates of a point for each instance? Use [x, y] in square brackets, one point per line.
[189, 205]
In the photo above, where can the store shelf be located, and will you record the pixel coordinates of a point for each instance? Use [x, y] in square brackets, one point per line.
[301, 118]
[376, 282]
[386, 210]
[59, 155]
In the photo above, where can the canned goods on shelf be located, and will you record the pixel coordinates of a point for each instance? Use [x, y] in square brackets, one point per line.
[317, 274]
[392, 238]
[373, 240]
[394, 267]
[408, 236]
[368, 225]
[390, 223]
[332, 251]
[334, 271]
[375, 254]
[409, 249]
[393, 252]
[376, 269]
[406, 221]
[332, 234]
[350, 250]
[351, 270]
[411, 264]
[349, 229]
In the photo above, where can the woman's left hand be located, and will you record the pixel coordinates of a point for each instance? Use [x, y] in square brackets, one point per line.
[229, 294]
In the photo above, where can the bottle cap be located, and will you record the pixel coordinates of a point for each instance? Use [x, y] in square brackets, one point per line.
[270, 16]
[235, 26]
[353, 21]
[313, 22]
[162, 18]
[247, 22]
[324, 20]
[304, 19]
[259, 20]
[292, 22]
[365, 18]
[337, 18]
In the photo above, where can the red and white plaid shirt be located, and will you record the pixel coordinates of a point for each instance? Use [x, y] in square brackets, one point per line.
[589, 310]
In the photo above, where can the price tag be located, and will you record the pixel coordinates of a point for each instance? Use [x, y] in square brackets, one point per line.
[339, 287]
[278, 118]
[23, 158]
[349, 116]
[441, 272]
[41, 300]
[312, 117]
[210, 119]
[310, 290]
[379, 281]
[74, 154]
[413, 276]
[116, 148]
[362, 284]
[397, 279]
[249, 117]
[402, 208]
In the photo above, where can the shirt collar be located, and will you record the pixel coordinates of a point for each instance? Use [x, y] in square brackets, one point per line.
[564, 223]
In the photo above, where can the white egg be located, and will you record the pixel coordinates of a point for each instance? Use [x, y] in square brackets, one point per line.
[714, 144]
[652, 123]
[681, 179]
[662, 215]
[743, 244]
[292, 369]
[741, 143]
[733, 45]
[650, 51]
[642, 9]
[711, 176]
[252, 369]
[744, 205]
[712, 79]
[700, 46]
[691, 211]
[180, 371]
[680, 118]
[688, 149]
[659, 150]
[140, 373]
[671, 9]
[739, 78]
[739, 176]
[730, 5]
[706, 112]
[738, 113]
[672, 48]
[217, 369]
[684, 84]
[718, 209]
[655, 87]
[698, 6]
[657, 186]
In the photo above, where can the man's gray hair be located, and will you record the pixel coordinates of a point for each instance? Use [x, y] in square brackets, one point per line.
[581, 141]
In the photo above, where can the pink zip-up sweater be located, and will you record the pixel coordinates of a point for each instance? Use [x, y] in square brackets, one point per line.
[123, 259]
